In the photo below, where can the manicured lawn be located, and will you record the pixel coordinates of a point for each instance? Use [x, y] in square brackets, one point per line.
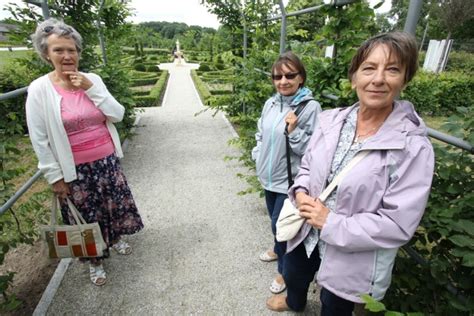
[7, 56]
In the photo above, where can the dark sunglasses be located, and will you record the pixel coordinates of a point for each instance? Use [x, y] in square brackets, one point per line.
[49, 28]
[289, 76]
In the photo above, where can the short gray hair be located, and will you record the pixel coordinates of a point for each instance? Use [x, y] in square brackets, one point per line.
[53, 26]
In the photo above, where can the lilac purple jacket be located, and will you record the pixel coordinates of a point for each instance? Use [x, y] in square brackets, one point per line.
[379, 203]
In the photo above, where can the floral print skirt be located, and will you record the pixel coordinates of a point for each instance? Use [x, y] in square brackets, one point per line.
[101, 194]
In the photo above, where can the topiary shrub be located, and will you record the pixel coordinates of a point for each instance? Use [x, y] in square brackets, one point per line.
[139, 67]
[204, 67]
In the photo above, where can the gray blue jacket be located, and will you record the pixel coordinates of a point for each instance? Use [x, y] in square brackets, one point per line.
[379, 203]
[270, 151]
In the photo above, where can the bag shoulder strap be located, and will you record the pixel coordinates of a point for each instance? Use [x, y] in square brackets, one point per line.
[298, 110]
[358, 157]
[75, 213]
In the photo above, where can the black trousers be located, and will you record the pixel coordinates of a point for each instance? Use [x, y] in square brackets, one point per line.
[299, 272]
[333, 305]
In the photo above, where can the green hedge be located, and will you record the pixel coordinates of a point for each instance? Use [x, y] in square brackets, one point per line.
[155, 94]
[440, 94]
[144, 82]
[140, 92]
[142, 75]
[460, 61]
[220, 92]
[201, 87]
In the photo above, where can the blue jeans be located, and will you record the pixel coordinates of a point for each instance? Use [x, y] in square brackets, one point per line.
[274, 204]
[299, 272]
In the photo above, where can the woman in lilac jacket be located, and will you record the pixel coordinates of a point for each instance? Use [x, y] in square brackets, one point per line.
[352, 239]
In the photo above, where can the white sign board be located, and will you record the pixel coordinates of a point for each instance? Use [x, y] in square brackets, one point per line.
[435, 53]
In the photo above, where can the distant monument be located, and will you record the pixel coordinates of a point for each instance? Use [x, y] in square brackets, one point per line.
[178, 53]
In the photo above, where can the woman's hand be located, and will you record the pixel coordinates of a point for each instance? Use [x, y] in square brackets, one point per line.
[78, 80]
[61, 189]
[291, 119]
[315, 213]
[302, 198]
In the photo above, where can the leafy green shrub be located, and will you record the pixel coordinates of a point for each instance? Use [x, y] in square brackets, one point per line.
[140, 92]
[440, 94]
[139, 67]
[460, 61]
[154, 96]
[201, 87]
[220, 92]
[445, 237]
[219, 66]
[144, 100]
[142, 75]
[152, 68]
[204, 67]
[144, 81]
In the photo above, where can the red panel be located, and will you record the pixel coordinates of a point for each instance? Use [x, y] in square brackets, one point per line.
[62, 238]
[77, 251]
[91, 250]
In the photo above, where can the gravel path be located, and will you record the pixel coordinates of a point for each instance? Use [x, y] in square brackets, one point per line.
[198, 253]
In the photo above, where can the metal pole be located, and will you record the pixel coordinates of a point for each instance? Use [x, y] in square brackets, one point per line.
[45, 9]
[283, 28]
[20, 192]
[13, 94]
[424, 35]
[101, 35]
[413, 15]
[245, 37]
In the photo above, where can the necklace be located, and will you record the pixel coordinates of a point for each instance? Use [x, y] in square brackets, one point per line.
[358, 137]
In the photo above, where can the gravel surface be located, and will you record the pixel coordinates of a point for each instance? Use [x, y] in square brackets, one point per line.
[198, 253]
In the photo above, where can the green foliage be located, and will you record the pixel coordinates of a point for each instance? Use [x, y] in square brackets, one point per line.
[139, 67]
[143, 81]
[154, 96]
[440, 94]
[377, 307]
[19, 224]
[460, 61]
[445, 236]
[203, 92]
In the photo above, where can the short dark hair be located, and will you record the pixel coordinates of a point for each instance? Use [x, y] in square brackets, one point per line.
[290, 60]
[402, 44]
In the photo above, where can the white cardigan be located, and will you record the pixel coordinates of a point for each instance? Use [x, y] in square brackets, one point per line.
[47, 132]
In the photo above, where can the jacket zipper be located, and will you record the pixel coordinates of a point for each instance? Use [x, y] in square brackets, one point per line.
[374, 272]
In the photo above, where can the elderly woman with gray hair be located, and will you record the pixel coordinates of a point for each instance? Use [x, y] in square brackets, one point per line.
[71, 116]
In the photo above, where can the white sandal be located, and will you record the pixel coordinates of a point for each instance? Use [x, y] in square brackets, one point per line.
[265, 256]
[97, 274]
[122, 247]
[276, 287]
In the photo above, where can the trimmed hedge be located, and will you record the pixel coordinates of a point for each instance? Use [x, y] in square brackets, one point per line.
[143, 75]
[143, 82]
[155, 94]
[137, 93]
[440, 94]
[201, 87]
[460, 61]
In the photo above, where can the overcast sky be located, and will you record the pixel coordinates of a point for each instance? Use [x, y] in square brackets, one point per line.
[190, 12]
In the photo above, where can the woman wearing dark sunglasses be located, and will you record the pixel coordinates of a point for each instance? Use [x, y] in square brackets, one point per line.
[71, 116]
[293, 106]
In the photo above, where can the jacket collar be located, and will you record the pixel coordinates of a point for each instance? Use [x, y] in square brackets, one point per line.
[401, 122]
